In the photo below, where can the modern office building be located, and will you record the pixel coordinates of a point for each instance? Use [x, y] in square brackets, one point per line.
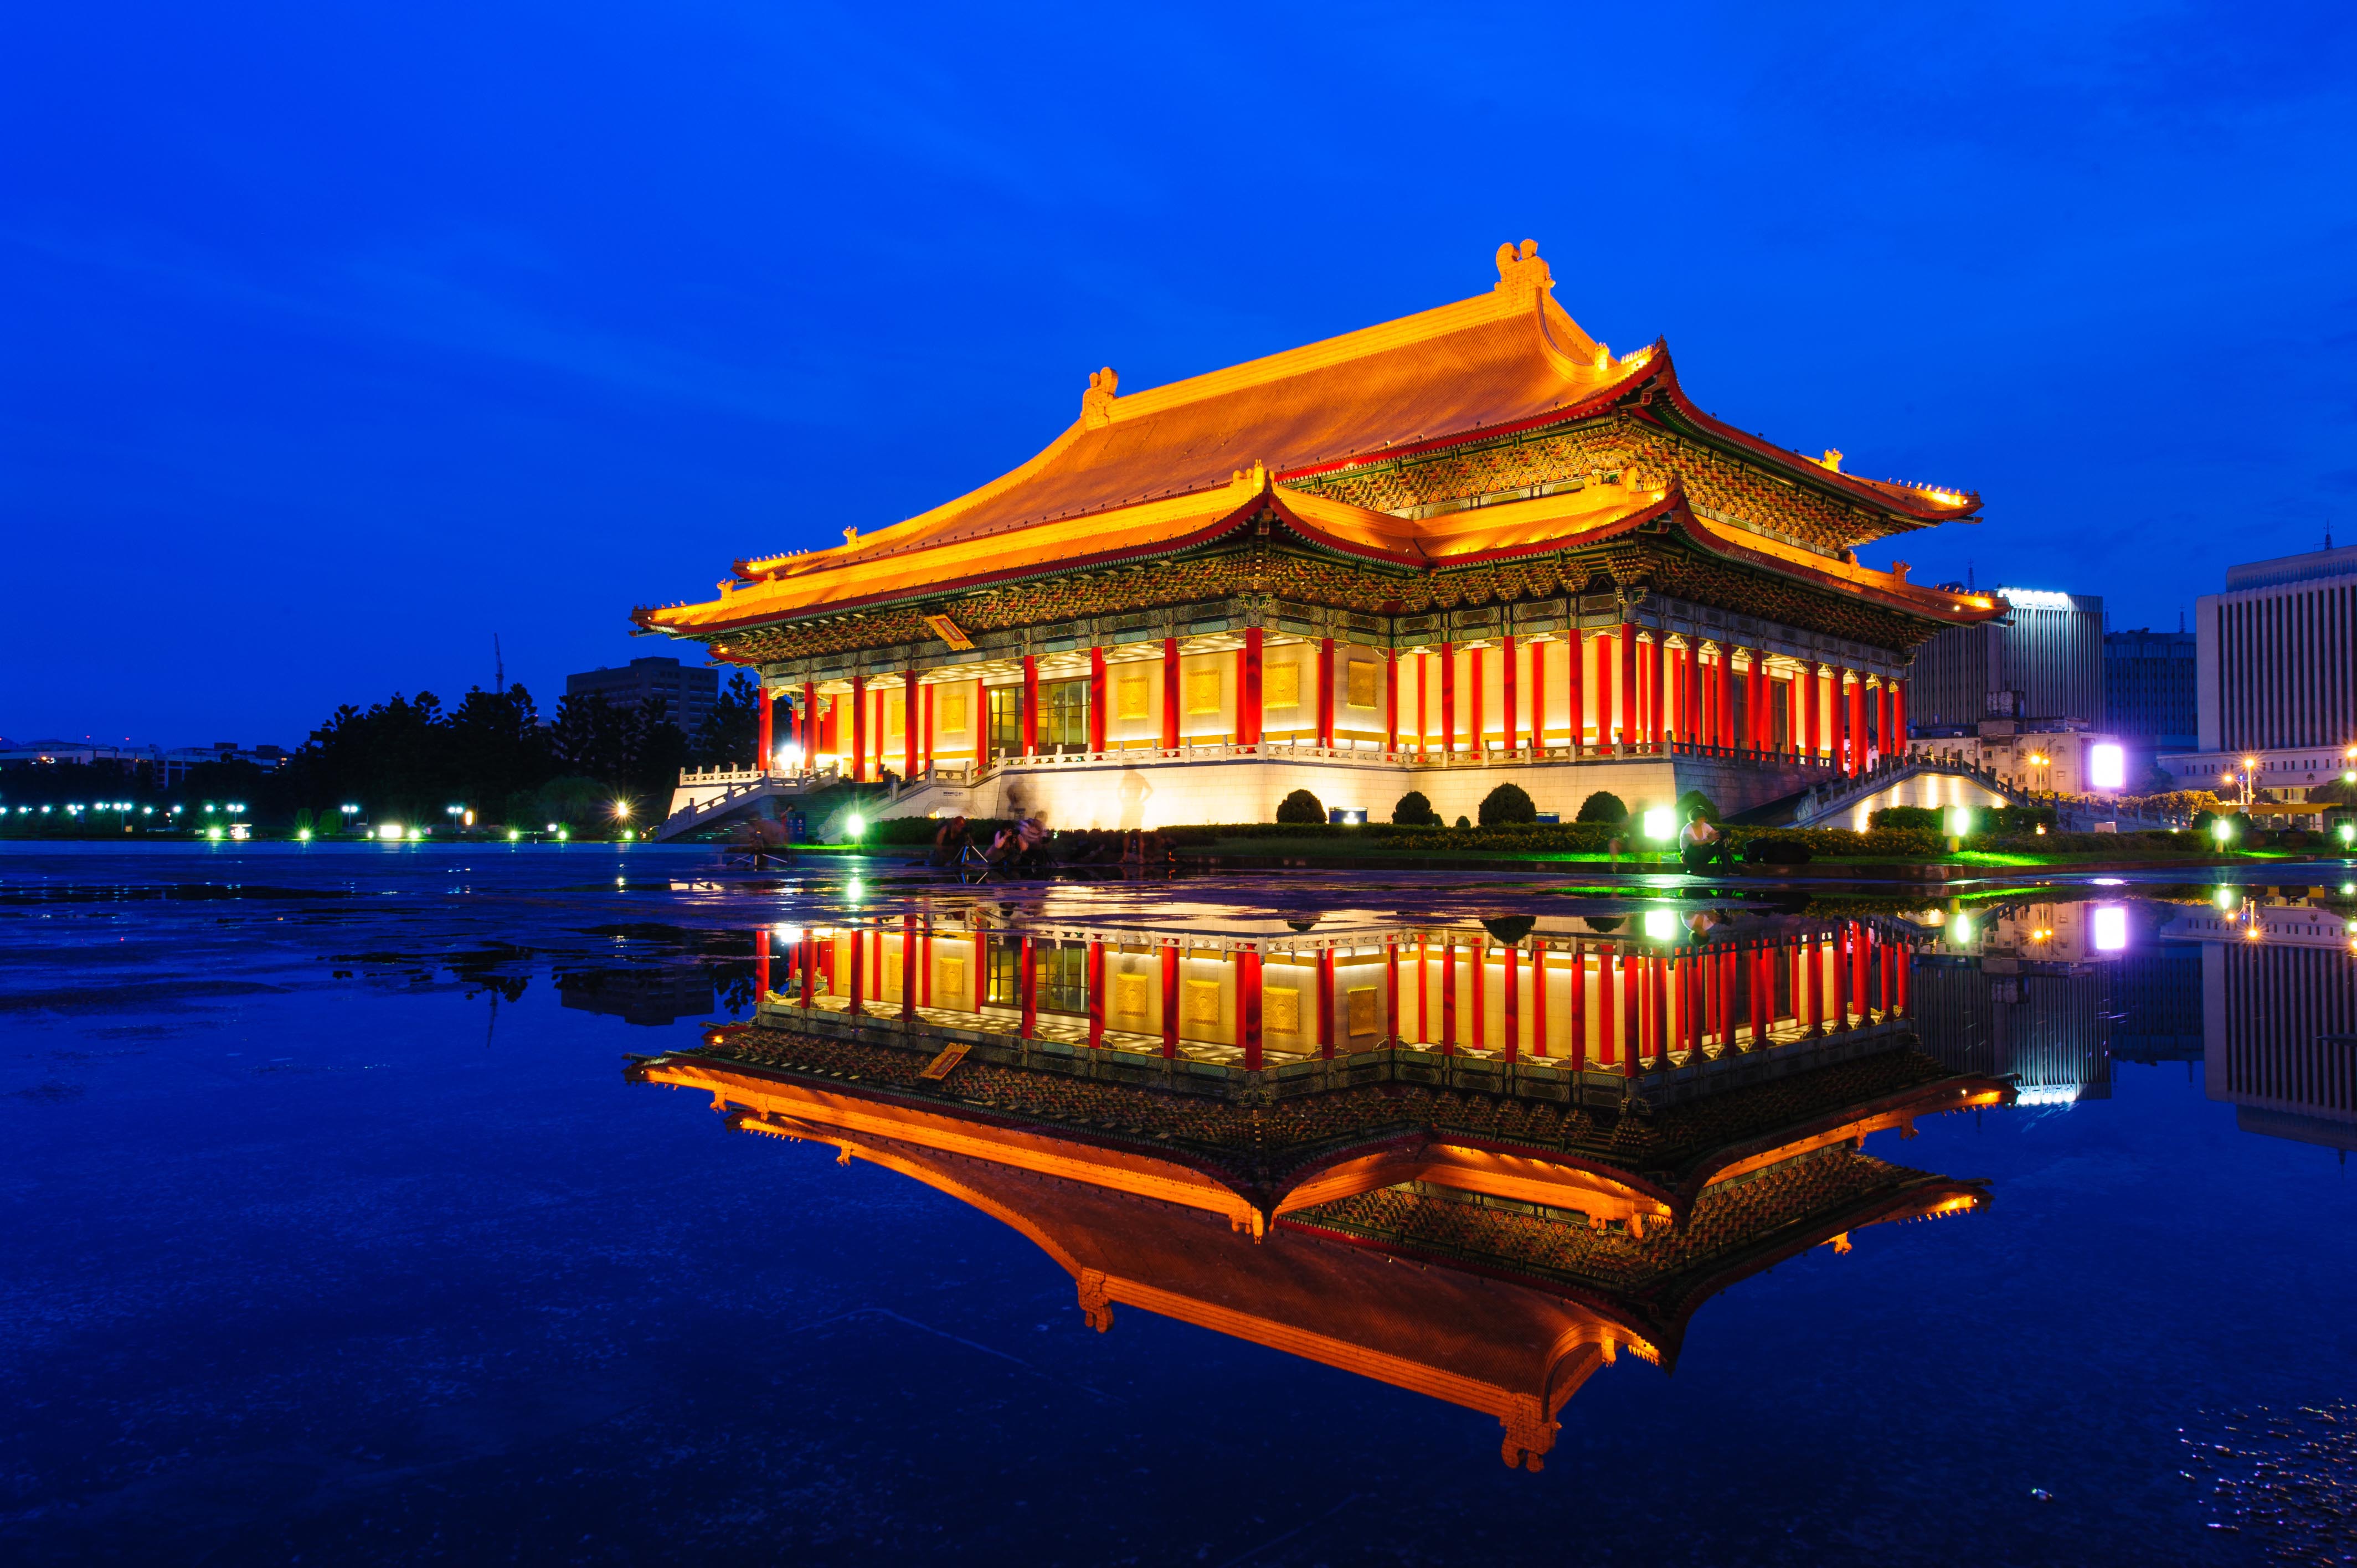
[2148, 687]
[2044, 661]
[2276, 678]
[689, 690]
[2279, 1015]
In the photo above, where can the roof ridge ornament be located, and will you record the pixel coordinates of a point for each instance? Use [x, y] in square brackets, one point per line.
[1521, 276]
[1096, 403]
[1252, 481]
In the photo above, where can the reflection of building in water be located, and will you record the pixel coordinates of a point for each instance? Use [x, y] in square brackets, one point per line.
[638, 995]
[1608, 1002]
[1549, 1233]
[2279, 1015]
[2157, 993]
[2029, 1006]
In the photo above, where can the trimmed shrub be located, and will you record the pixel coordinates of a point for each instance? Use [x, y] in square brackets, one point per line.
[1695, 800]
[1415, 811]
[1603, 806]
[1925, 819]
[1507, 806]
[1301, 806]
[1463, 824]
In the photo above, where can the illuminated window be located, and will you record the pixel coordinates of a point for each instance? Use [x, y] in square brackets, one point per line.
[1202, 690]
[1129, 996]
[1130, 695]
[1362, 1009]
[1282, 686]
[1358, 680]
[1280, 1011]
[1203, 1001]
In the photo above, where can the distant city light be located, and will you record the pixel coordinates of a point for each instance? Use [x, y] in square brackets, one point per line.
[2034, 598]
[2107, 767]
[2111, 927]
[390, 832]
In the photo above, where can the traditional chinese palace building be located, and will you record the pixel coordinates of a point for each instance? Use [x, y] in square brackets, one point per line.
[1469, 546]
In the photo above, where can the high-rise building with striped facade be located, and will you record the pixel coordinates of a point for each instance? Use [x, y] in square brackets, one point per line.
[2276, 674]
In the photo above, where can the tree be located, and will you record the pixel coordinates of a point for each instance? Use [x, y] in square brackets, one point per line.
[1602, 807]
[1463, 824]
[1414, 811]
[731, 732]
[1301, 806]
[1507, 806]
[1693, 801]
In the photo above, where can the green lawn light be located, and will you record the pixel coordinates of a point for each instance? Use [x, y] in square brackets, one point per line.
[1661, 925]
[854, 825]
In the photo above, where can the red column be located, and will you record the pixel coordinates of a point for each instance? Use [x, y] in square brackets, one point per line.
[1659, 1027]
[1898, 717]
[1480, 995]
[1575, 694]
[925, 965]
[1248, 1007]
[1391, 992]
[1662, 673]
[1169, 694]
[1840, 720]
[1575, 1027]
[1423, 990]
[1604, 688]
[1858, 727]
[1538, 696]
[1509, 687]
[1169, 999]
[1326, 692]
[1811, 699]
[1628, 719]
[761, 964]
[810, 969]
[1026, 990]
[1903, 971]
[764, 747]
[1096, 994]
[928, 756]
[1725, 739]
[1030, 706]
[859, 727]
[1096, 699]
[1813, 953]
[1763, 726]
[907, 966]
[1448, 699]
[910, 730]
[1480, 742]
[1449, 999]
[1605, 1012]
[1861, 993]
[808, 720]
[858, 972]
[1423, 691]
[1391, 700]
[1326, 1003]
[1248, 663]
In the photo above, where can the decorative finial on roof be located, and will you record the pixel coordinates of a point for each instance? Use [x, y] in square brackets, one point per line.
[851, 536]
[1520, 273]
[1096, 403]
[1254, 478]
[1832, 459]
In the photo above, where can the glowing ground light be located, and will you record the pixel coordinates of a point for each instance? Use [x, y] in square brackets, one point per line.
[1960, 931]
[1661, 822]
[2224, 898]
[1661, 925]
[391, 833]
[1960, 821]
[2222, 830]
[2111, 927]
[302, 836]
[854, 825]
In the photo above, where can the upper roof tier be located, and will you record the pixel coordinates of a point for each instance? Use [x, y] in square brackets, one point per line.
[1504, 360]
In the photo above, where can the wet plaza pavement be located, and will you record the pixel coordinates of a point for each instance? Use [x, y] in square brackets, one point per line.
[340, 1229]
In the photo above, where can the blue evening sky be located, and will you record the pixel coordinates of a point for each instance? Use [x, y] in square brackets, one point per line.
[337, 338]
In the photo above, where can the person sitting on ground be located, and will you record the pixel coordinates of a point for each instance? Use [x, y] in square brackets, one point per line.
[949, 841]
[1700, 843]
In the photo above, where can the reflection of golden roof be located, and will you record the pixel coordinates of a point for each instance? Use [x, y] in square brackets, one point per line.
[1522, 1293]
[1176, 464]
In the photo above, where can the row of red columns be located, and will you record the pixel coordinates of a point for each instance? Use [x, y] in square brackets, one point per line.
[1634, 1018]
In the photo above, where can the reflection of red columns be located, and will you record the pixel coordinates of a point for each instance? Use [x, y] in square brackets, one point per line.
[1813, 953]
[858, 972]
[1605, 1012]
[1575, 691]
[1423, 990]
[1096, 699]
[1860, 971]
[1481, 1040]
[911, 730]
[1248, 665]
[1658, 1024]
[1169, 999]
[1628, 719]
[1448, 699]
[1026, 989]
[925, 965]
[1633, 1011]
[1449, 999]
[1902, 967]
[1326, 1003]
[1096, 994]
[1575, 1027]
[760, 965]
[1510, 972]
[810, 969]
[1169, 694]
[858, 728]
[1391, 700]
[1030, 706]
[1538, 999]
[765, 746]
[1325, 691]
[1248, 1007]
[1841, 997]
[909, 967]
[1391, 992]
[1509, 687]
[1889, 967]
